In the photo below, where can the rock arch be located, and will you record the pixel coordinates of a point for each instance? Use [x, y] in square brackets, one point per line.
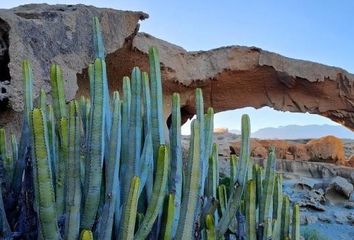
[231, 77]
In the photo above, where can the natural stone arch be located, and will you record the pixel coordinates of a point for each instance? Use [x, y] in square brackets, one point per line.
[231, 77]
[236, 77]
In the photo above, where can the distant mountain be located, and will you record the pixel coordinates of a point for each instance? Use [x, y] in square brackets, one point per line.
[301, 132]
[235, 131]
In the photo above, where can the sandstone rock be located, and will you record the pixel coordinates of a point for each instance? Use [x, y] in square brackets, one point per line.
[342, 186]
[47, 34]
[326, 149]
[231, 77]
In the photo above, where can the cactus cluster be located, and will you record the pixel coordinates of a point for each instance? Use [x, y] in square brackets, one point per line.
[102, 168]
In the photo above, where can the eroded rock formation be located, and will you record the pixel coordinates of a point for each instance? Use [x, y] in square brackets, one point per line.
[328, 149]
[231, 77]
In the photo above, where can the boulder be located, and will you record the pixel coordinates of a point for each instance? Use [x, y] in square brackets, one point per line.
[283, 149]
[341, 185]
[326, 149]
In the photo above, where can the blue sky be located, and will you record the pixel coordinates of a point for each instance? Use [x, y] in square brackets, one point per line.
[320, 31]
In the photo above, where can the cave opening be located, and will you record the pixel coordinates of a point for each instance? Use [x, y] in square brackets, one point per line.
[5, 77]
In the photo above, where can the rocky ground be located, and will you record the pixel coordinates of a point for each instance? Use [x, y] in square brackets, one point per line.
[323, 190]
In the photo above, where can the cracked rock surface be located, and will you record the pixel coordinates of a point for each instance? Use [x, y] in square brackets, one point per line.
[231, 77]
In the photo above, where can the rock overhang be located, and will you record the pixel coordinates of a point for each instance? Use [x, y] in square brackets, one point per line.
[231, 77]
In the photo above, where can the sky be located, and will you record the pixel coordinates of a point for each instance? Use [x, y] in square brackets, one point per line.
[319, 31]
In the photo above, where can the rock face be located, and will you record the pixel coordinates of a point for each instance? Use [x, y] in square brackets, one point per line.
[47, 34]
[231, 77]
[327, 149]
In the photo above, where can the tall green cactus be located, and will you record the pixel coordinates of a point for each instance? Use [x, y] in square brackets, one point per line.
[60, 175]
[251, 210]
[135, 126]
[155, 204]
[233, 168]
[175, 181]
[285, 218]
[190, 196]
[57, 83]
[126, 106]
[210, 225]
[73, 184]
[238, 186]
[130, 210]
[105, 223]
[158, 136]
[43, 179]
[168, 218]
[295, 228]
[199, 104]
[268, 187]
[94, 159]
[3, 144]
[277, 204]
[27, 89]
[25, 140]
[209, 130]
[212, 178]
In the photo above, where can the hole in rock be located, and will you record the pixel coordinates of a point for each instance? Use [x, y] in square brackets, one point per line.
[5, 77]
[267, 123]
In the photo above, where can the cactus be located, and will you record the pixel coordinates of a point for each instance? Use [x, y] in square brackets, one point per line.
[233, 168]
[168, 217]
[295, 227]
[130, 210]
[267, 194]
[238, 186]
[26, 136]
[73, 185]
[285, 218]
[43, 178]
[156, 202]
[175, 181]
[251, 210]
[93, 176]
[57, 83]
[135, 126]
[191, 188]
[86, 235]
[157, 122]
[99, 161]
[126, 105]
[210, 226]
